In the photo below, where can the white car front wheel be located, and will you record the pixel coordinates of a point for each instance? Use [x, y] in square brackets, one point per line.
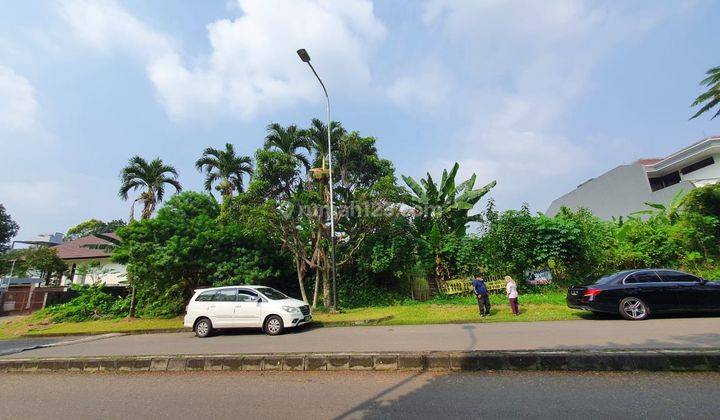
[273, 325]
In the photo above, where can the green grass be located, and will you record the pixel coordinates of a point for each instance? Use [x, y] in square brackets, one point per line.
[533, 307]
[33, 326]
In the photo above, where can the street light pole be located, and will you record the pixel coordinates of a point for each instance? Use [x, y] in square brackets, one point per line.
[305, 57]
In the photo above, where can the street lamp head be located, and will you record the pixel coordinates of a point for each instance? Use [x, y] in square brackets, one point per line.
[304, 56]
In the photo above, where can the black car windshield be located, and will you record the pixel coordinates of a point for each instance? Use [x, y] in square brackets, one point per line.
[271, 293]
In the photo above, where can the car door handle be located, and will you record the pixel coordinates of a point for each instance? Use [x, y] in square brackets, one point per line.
[211, 306]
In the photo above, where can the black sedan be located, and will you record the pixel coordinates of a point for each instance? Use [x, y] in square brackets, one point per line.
[636, 294]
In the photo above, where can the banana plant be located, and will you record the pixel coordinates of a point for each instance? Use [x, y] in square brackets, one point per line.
[669, 211]
[446, 205]
[443, 209]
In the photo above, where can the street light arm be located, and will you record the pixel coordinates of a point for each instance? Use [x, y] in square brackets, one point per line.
[327, 97]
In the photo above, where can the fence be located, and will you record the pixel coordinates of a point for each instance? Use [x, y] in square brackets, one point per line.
[463, 286]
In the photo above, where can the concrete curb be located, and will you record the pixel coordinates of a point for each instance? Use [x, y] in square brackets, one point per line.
[552, 360]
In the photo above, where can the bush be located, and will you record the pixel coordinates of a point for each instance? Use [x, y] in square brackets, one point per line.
[167, 304]
[92, 302]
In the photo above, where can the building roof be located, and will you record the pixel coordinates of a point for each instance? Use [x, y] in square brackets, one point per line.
[702, 148]
[648, 161]
[87, 247]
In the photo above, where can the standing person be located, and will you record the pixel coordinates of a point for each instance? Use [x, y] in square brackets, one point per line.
[481, 293]
[512, 294]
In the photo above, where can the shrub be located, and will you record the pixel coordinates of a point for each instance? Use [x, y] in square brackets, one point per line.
[92, 302]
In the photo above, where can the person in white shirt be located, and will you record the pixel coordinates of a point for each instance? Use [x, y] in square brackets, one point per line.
[512, 294]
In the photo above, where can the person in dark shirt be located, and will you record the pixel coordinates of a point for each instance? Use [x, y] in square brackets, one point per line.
[481, 293]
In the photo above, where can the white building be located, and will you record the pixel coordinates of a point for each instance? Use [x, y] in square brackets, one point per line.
[88, 259]
[627, 188]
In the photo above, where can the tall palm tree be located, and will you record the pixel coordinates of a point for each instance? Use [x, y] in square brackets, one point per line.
[287, 140]
[711, 98]
[224, 167]
[317, 138]
[150, 177]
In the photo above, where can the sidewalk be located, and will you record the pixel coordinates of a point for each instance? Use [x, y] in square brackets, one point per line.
[669, 333]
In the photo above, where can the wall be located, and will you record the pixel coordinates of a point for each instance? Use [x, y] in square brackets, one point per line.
[115, 272]
[618, 192]
[708, 172]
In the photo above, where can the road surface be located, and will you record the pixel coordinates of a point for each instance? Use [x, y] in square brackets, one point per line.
[701, 332]
[16, 346]
[325, 395]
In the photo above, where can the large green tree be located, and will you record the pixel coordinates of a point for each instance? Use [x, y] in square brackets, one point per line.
[45, 261]
[8, 229]
[225, 168]
[93, 227]
[149, 177]
[711, 97]
[187, 246]
[278, 204]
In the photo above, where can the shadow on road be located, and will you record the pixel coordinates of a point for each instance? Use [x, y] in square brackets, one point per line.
[602, 316]
[256, 331]
[543, 395]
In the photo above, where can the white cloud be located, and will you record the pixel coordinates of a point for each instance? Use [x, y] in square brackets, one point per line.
[18, 105]
[529, 62]
[53, 204]
[427, 89]
[42, 196]
[252, 66]
[105, 25]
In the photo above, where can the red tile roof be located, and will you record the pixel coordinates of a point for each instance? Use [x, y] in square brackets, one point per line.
[648, 161]
[79, 247]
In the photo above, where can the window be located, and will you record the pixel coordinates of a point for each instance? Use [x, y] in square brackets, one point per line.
[225, 295]
[664, 181]
[672, 276]
[643, 277]
[697, 165]
[206, 296]
[271, 293]
[245, 295]
[612, 278]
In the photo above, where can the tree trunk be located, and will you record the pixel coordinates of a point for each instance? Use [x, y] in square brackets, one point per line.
[131, 313]
[301, 274]
[317, 286]
[326, 284]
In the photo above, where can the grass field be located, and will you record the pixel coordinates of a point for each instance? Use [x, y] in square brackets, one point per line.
[533, 307]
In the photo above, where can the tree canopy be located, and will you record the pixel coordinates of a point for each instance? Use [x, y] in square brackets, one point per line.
[8, 229]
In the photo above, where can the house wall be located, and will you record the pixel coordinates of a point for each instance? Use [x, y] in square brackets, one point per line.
[617, 192]
[114, 273]
[708, 172]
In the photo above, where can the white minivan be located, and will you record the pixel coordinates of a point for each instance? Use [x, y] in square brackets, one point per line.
[244, 307]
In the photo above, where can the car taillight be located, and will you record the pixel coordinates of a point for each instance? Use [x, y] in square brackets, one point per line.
[590, 294]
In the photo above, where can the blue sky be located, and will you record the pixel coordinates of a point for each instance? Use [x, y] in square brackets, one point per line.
[537, 95]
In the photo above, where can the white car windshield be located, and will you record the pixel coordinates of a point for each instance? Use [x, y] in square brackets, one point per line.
[271, 293]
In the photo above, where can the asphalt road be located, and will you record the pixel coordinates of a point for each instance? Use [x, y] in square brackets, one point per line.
[285, 395]
[16, 346]
[586, 334]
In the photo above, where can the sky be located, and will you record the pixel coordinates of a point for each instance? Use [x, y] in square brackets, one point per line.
[538, 95]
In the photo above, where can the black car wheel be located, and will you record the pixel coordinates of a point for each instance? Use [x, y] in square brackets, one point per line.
[203, 328]
[633, 309]
[274, 325]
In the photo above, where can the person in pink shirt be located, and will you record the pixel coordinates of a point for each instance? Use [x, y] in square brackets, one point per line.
[512, 294]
